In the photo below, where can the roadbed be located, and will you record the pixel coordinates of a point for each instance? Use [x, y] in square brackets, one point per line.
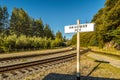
[28, 53]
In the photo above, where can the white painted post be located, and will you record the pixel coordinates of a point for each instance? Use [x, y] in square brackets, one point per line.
[79, 28]
[78, 52]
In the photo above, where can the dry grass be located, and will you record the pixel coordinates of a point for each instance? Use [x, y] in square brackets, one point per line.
[91, 68]
[106, 50]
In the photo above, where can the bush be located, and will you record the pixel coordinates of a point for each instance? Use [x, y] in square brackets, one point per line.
[21, 42]
[13, 43]
[1, 49]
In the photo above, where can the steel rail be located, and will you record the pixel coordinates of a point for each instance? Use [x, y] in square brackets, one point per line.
[33, 55]
[34, 63]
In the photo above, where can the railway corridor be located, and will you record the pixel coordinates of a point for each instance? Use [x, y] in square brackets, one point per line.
[30, 59]
[18, 69]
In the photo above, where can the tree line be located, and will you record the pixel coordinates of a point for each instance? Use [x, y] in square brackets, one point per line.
[107, 27]
[20, 31]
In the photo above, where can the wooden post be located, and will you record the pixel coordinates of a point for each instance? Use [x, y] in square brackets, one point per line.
[78, 52]
[80, 28]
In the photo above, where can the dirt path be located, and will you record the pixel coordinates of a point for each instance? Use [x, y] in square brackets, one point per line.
[112, 61]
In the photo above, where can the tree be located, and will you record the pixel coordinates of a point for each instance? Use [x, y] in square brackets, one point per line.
[107, 21]
[4, 22]
[73, 40]
[59, 35]
[59, 39]
[20, 22]
[64, 39]
[48, 32]
[38, 28]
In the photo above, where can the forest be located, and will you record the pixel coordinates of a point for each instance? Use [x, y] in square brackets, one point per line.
[107, 28]
[21, 32]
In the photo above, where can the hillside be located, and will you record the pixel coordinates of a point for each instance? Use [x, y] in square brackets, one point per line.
[107, 27]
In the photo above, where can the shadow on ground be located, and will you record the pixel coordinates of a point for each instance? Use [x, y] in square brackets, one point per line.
[99, 63]
[57, 76]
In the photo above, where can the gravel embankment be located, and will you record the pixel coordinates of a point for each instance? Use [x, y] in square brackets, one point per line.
[90, 70]
[25, 60]
[62, 71]
[4, 55]
[29, 73]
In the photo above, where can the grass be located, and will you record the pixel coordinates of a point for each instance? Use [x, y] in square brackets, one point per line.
[96, 69]
[109, 51]
[108, 71]
[115, 57]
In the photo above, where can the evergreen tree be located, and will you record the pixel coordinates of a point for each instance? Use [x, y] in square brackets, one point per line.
[59, 35]
[59, 39]
[20, 22]
[38, 28]
[4, 22]
[48, 32]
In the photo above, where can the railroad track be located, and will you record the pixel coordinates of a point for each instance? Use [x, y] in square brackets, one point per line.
[33, 66]
[28, 58]
[53, 59]
[33, 55]
[39, 62]
[19, 71]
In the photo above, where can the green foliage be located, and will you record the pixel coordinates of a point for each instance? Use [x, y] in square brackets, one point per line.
[37, 28]
[21, 42]
[53, 44]
[59, 41]
[86, 39]
[20, 22]
[4, 22]
[107, 26]
[59, 36]
[12, 43]
[116, 35]
[25, 32]
[48, 32]
[1, 45]
[107, 22]
[74, 39]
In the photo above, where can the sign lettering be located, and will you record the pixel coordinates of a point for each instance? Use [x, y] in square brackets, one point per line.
[79, 28]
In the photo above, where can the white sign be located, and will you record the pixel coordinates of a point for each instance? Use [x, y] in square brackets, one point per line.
[79, 28]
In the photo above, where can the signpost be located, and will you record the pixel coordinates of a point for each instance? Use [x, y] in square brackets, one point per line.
[78, 52]
[79, 28]
[88, 27]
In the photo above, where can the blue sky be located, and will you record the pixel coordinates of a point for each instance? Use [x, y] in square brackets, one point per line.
[57, 13]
